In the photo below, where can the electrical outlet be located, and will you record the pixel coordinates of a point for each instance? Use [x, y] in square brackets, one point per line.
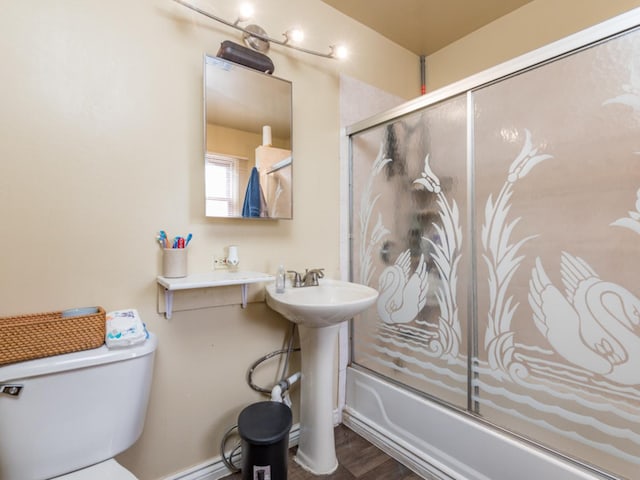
[220, 263]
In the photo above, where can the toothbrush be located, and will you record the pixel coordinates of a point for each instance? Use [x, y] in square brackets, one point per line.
[163, 238]
[189, 237]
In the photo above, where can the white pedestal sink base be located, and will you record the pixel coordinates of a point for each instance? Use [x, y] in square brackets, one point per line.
[316, 449]
[319, 311]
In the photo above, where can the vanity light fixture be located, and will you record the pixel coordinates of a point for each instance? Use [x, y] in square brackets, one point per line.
[256, 37]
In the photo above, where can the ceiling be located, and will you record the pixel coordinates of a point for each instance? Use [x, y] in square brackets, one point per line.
[425, 26]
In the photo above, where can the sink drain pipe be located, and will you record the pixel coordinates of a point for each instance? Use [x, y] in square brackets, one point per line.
[278, 393]
[280, 389]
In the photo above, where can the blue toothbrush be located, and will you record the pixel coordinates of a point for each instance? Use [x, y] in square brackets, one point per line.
[163, 238]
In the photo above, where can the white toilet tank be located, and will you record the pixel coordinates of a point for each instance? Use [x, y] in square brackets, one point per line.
[72, 410]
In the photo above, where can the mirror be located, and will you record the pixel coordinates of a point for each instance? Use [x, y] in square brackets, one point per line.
[248, 154]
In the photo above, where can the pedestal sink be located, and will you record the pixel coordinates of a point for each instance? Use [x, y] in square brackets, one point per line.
[319, 311]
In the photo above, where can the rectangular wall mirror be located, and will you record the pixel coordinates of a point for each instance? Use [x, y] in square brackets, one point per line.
[247, 136]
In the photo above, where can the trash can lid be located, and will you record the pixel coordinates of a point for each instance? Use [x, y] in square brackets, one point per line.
[264, 423]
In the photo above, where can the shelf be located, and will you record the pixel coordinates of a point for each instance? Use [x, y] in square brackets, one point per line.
[210, 280]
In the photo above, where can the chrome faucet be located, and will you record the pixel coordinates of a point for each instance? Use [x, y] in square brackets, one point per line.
[296, 281]
[309, 279]
[311, 276]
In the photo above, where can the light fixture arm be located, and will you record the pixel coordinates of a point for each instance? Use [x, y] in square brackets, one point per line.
[266, 38]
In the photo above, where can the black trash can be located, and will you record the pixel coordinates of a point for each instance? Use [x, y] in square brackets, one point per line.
[264, 432]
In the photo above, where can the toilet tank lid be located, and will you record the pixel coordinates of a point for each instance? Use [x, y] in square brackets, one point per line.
[75, 360]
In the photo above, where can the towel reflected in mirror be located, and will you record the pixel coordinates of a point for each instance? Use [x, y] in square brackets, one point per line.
[255, 205]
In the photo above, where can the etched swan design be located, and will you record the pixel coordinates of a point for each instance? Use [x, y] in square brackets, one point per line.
[402, 294]
[595, 325]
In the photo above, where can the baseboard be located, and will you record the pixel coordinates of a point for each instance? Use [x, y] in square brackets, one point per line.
[212, 470]
[215, 468]
[395, 449]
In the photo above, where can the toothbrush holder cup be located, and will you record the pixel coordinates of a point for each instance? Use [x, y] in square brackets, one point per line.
[174, 262]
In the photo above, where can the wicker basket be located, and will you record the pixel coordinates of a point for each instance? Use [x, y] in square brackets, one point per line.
[26, 337]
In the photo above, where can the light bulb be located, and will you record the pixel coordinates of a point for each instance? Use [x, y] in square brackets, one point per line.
[246, 12]
[296, 35]
[339, 51]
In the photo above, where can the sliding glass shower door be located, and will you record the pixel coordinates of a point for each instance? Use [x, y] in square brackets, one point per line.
[502, 230]
[408, 243]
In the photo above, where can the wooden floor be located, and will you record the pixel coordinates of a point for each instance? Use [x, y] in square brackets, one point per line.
[357, 459]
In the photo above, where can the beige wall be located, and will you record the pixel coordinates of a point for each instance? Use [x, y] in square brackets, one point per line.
[232, 142]
[532, 26]
[101, 146]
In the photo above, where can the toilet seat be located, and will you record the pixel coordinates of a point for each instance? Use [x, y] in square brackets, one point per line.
[107, 470]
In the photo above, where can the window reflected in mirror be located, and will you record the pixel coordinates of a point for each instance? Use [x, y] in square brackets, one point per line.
[248, 148]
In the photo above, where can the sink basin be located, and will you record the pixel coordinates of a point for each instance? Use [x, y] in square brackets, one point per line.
[329, 303]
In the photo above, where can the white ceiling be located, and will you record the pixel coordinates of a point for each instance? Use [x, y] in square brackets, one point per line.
[425, 26]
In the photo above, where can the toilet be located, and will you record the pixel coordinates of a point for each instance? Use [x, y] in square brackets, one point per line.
[67, 416]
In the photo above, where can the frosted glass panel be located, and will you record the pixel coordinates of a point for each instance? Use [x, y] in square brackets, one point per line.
[409, 205]
[557, 185]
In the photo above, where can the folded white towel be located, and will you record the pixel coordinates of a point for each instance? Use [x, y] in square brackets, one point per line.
[125, 328]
